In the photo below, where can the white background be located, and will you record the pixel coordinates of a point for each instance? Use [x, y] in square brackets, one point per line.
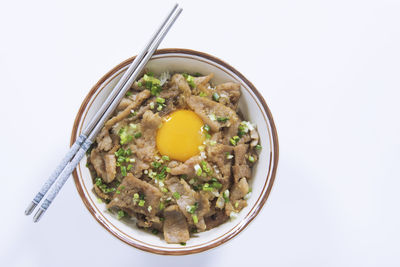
[329, 70]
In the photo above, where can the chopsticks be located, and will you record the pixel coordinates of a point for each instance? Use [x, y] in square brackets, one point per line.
[77, 151]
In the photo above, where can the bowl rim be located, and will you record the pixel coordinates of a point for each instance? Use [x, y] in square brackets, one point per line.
[273, 161]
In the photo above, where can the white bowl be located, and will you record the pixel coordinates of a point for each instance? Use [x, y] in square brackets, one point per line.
[254, 109]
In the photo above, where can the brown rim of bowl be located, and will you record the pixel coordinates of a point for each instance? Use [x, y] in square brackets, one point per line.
[274, 160]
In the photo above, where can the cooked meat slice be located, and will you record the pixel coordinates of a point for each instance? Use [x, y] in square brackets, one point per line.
[240, 152]
[205, 108]
[146, 222]
[241, 171]
[100, 193]
[111, 167]
[229, 94]
[97, 161]
[187, 167]
[125, 102]
[218, 218]
[230, 132]
[218, 155]
[104, 141]
[175, 228]
[179, 82]
[241, 168]
[125, 199]
[104, 164]
[139, 99]
[239, 190]
[254, 138]
[203, 80]
[146, 145]
[189, 197]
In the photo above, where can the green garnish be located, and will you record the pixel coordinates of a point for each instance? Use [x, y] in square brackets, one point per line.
[205, 167]
[183, 243]
[251, 159]
[159, 107]
[161, 206]
[139, 84]
[206, 127]
[236, 204]
[138, 135]
[129, 167]
[136, 196]
[206, 187]
[124, 136]
[123, 171]
[120, 214]
[208, 136]
[176, 195]
[128, 93]
[154, 231]
[258, 147]
[234, 140]
[164, 190]
[195, 219]
[141, 202]
[98, 181]
[166, 158]
[190, 80]
[225, 195]
[222, 119]
[160, 100]
[192, 209]
[215, 97]
[152, 83]
[202, 94]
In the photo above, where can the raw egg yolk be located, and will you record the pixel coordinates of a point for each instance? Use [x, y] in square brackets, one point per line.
[180, 135]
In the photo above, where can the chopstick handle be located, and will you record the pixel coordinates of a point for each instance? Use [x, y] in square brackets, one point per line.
[46, 186]
[62, 179]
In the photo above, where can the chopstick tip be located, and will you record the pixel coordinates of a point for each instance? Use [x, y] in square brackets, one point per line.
[38, 215]
[30, 208]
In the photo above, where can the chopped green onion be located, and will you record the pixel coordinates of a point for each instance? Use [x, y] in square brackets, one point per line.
[98, 181]
[213, 143]
[258, 147]
[236, 204]
[154, 231]
[176, 195]
[198, 169]
[183, 176]
[149, 208]
[159, 107]
[215, 97]
[168, 169]
[165, 158]
[206, 127]
[192, 209]
[129, 167]
[206, 187]
[99, 200]
[136, 196]
[183, 243]
[234, 140]
[133, 126]
[139, 84]
[225, 195]
[164, 190]
[161, 206]
[160, 100]
[123, 171]
[208, 136]
[151, 105]
[118, 192]
[138, 135]
[222, 119]
[141, 202]
[216, 185]
[128, 93]
[195, 219]
[190, 80]
[202, 94]
[251, 159]
[124, 136]
[120, 214]
[212, 117]
[229, 156]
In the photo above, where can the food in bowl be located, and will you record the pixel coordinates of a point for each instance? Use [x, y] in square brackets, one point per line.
[176, 155]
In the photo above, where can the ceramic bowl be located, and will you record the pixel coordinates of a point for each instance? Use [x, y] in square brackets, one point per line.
[254, 109]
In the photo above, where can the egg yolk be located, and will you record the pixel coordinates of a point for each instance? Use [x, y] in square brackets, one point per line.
[180, 135]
